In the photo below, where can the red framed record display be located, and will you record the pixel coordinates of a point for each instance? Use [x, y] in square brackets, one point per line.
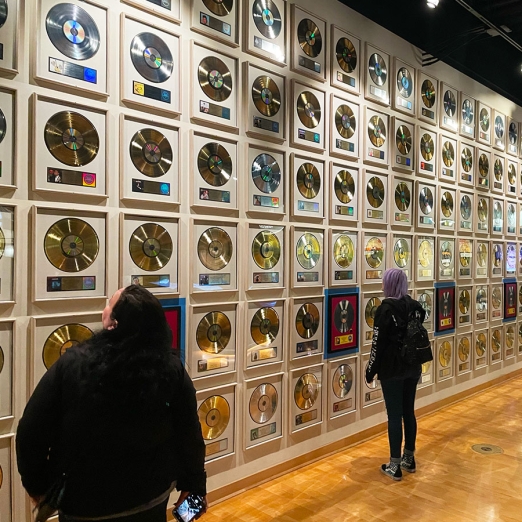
[343, 320]
[445, 308]
[510, 300]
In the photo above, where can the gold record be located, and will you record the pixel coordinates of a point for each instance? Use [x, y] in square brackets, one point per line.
[465, 253]
[307, 320]
[482, 254]
[495, 341]
[342, 381]
[151, 153]
[510, 336]
[377, 131]
[371, 310]
[425, 253]
[496, 297]
[264, 326]
[344, 186]
[266, 249]
[71, 138]
[214, 414]
[466, 159]
[309, 36]
[215, 248]
[308, 250]
[446, 204]
[62, 339]
[150, 247]
[308, 180]
[481, 303]
[426, 200]
[219, 7]
[497, 255]
[427, 147]
[512, 174]
[71, 245]
[346, 55]
[215, 164]
[480, 344]
[428, 93]
[403, 139]
[345, 121]
[482, 209]
[426, 367]
[306, 391]
[401, 253]
[213, 332]
[214, 78]
[483, 165]
[374, 252]
[484, 120]
[464, 301]
[498, 170]
[445, 354]
[266, 96]
[448, 154]
[263, 403]
[308, 109]
[402, 196]
[343, 251]
[463, 351]
[375, 192]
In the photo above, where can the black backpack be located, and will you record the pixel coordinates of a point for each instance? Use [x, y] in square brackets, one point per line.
[416, 346]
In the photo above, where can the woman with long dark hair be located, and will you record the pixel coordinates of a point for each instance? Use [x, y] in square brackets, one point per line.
[117, 415]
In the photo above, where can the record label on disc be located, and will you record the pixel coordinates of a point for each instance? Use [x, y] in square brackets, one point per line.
[308, 180]
[344, 186]
[306, 391]
[214, 78]
[267, 18]
[309, 37]
[263, 403]
[151, 152]
[346, 55]
[375, 192]
[150, 247]
[308, 109]
[151, 57]
[214, 414]
[402, 196]
[266, 250]
[266, 96]
[345, 121]
[213, 332]
[264, 326]
[307, 320]
[215, 248]
[266, 173]
[342, 381]
[215, 164]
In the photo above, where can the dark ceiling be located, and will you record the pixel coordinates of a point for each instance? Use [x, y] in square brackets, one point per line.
[455, 36]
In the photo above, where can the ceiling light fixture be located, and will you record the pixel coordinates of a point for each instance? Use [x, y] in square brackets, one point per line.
[433, 3]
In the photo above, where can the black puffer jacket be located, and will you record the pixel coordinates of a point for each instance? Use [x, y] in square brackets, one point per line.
[388, 329]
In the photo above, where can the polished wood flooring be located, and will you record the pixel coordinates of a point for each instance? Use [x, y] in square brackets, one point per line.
[452, 482]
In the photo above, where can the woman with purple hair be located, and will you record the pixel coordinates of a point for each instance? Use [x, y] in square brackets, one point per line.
[398, 380]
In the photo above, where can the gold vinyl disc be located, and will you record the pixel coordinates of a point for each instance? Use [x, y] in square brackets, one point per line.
[308, 109]
[481, 301]
[401, 253]
[480, 344]
[344, 316]
[482, 209]
[482, 254]
[308, 250]
[498, 255]
[465, 206]
[2, 243]
[345, 121]
[426, 302]
[266, 96]
[214, 414]
[512, 174]
[377, 131]
[377, 69]
[264, 326]
[346, 55]
[425, 253]
[510, 336]
[371, 310]
[343, 251]
[151, 153]
[404, 82]
[342, 381]
[215, 164]
[2, 359]
[215, 248]
[214, 78]
[498, 170]
[465, 254]
[448, 153]
[309, 37]
[403, 140]
[426, 200]
[496, 297]
[428, 93]
[495, 341]
[446, 204]
[463, 350]
[402, 196]
[446, 254]
[213, 332]
[374, 252]
[266, 249]
[484, 120]
[483, 166]
[308, 180]
[219, 7]
[263, 403]
[375, 192]
[71, 138]
[445, 354]
[62, 339]
[307, 320]
[306, 391]
[71, 245]
[466, 159]
[150, 247]
[464, 301]
[427, 147]
[426, 367]
[344, 186]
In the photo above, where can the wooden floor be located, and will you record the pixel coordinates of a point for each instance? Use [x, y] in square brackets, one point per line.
[452, 483]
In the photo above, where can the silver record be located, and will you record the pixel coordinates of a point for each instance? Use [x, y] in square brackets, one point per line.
[263, 403]
[3, 12]
[266, 173]
[267, 18]
[151, 57]
[377, 68]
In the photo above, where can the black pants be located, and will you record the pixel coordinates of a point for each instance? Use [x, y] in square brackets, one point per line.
[156, 514]
[399, 397]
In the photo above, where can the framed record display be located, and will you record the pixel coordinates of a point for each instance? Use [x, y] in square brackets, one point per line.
[306, 399]
[481, 348]
[497, 302]
[446, 258]
[168, 9]
[8, 37]
[215, 172]
[499, 131]
[214, 87]
[7, 329]
[345, 128]
[215, 253]
[69, 257]
[374, 257]
[468, 116]
[510, 336]
[404, 92]
[217, 416]
[481, 258]
[369, 304]
[449, 163]
[7, 253]
[266, 263]
[464, 306]
[402, 146]
[511, 259]
[307, 331]
[7, 136]
[464, 353]
[344, 192]
[307, 261]
[449, 113]
[445, 308]
[510, 299]
[149, 253]
[512, 178]
[427, 94]
[264, 98]
[308, 117]
[266, 183]
[425, 296]
[499, 170]
[346, 58]
[513, 136]
[149, 161]
[401, 254]
[343, 375]
[401, 213]
[342, 322]
[377, 76]
[497, 259]
[426, 152]
[71, 45]
[426, 198]
[426, 379]
[266, 336]
[308, 179]
[497, 216]
[467, 165]
[150, 66]
[264, 30]
[263, 410]
[344, 245]
[425, 248]
[466, 207]
[497, 340]
[375, 197]
[443, 356]
[465, 258]
[482, 210]
[6, 485]
[69, 152]
[484, 123]
[308, 41]
[217, 19]
[447, 208]
[481, 304]
[371, 393]
[375, 133]
[484, 173]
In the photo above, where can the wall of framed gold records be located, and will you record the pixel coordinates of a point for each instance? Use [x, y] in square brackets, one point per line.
[268, 153]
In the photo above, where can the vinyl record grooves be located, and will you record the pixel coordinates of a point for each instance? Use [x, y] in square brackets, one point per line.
[484, 120]
[346, 55]
[219, 7]
[306, 391]
[308, 180]
[264, 326]
[72, 31]
[401, 253]
[151, 153]
[513, 133]
[309, 37]
[62, 339]
[345, 121]
[402, 196]
[445, 354]
[425, 253]
[482, 209]
[71, 138]
[403, 140]
[344, 316]
[308, 251]
[465, 255]
[370, 310]
[374, 252]
[344, 186]
[342, 381]
[214, 78]
[3, 18]
[428, 93]
[480, 344]
[375, 192]
[427, 147]
[266, 250]
[426, 303]
[151, 57]
[266, 96]
[448, 153]
[215, 248]
[71, 245]
[377, 131]
[3, 126]
[498, 170]
[464, 302]
[343, 251]
[466, 159]
[308, 109]
[150, 247]
[214, 414]
[307, 320]
[467, 112]
[464, 349]
[213, 332]
[377, 68]
[465, 207]
[404, 82]
[266, 173]
[499, 127]
[426, 200]
[496, 297]
[263, 403]
[446, 204]
[215, 164]
[267, 18]
[450, 104]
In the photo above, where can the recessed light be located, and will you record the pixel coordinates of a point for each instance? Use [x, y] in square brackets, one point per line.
[433, 3]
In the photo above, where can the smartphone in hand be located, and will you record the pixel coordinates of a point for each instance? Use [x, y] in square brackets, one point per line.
[189, 509]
